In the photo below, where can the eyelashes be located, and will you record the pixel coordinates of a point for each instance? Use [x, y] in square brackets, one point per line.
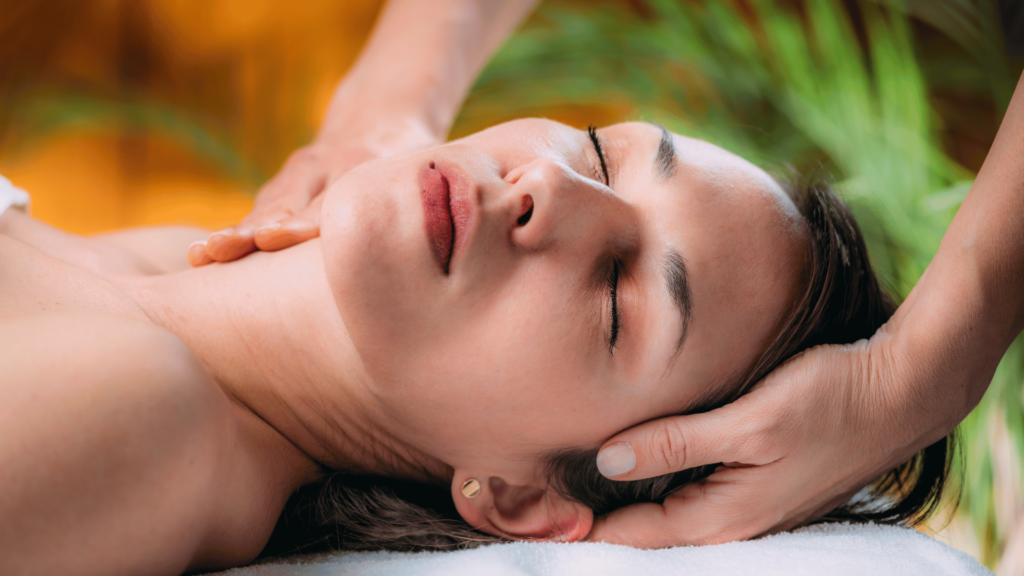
[613, 296]
[592, 131]
[613, 272]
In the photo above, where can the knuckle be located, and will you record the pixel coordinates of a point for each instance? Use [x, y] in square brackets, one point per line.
[760, 442]
[731, 527]
[250, 221]
[270, 194]
[298, 161]
[713, 534]
[727, 535]
[302, 156]
[764, 448]
[668, 447]
[762, 437]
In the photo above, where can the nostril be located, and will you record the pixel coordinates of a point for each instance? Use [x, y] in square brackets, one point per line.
[525, 217]
[527, 210]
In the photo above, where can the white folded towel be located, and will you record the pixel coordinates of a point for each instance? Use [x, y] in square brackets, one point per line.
[837, 549]
[11, 196]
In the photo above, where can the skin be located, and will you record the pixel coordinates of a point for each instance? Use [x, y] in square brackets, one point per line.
[797, 461]
[835, 416]
[356, 351]
[401, 95]
[734, 227]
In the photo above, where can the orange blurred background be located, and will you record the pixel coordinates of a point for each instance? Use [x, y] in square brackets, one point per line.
[233, 86]
[121, 113]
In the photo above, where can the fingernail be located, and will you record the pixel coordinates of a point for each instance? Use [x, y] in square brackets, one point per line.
[563, 537]
[268, 227]
[616, 459]
[196, 252]
[217, 238]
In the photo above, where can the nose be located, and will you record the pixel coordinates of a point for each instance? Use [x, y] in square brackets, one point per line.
[550, 204]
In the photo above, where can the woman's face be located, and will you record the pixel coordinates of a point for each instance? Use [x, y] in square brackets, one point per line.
[572, 306]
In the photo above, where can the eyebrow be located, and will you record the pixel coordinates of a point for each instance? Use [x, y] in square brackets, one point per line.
[665, 160]
[676, 276]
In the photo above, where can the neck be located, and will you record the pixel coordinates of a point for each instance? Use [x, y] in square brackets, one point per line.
[267, 329]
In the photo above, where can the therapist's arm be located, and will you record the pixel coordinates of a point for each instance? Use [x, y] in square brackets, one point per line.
[835, 417]
[402, 94]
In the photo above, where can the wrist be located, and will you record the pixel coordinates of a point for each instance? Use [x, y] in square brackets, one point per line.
[394, 112]
[936, 357]
[422, 59]
[384, 128]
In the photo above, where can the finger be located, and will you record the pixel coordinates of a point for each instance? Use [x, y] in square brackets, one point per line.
[285, 235]
[223, 241]
[292, 230]
[230, 244]
[197, 255]
[725, 507]
[289, 192]
[639, 526]
[676, 443]
[738, 504]
[286, 194]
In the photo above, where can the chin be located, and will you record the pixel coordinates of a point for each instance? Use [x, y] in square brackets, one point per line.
[378, 264]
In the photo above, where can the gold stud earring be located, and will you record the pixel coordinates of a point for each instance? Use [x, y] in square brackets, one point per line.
[471, 488]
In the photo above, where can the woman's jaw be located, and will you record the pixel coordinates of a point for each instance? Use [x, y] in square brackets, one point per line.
[266, 329]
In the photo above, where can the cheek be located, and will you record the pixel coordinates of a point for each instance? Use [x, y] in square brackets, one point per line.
[514, 371]
[494, 387]
[378, 265]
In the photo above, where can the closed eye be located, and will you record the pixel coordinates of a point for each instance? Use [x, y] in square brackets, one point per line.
[613, 297]
[600, 153]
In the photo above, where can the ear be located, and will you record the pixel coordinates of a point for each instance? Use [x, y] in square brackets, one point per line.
[521, 512]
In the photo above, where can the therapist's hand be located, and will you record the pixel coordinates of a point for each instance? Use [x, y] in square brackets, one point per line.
[799, 444]
[287, 208]
[834, 418]
[401, 95]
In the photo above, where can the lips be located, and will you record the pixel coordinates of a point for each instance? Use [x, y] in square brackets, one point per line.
[438, 215]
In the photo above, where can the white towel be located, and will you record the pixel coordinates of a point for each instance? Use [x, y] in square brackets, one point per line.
[11, 196]
[837, 549]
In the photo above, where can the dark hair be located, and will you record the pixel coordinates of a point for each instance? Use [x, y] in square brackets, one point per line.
[843, 302]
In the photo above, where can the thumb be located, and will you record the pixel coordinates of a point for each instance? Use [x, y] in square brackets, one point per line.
[676, 443]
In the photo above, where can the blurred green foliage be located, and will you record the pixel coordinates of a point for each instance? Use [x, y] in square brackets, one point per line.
[39, 115]
[815, 88]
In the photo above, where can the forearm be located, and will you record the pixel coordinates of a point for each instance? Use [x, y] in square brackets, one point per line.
[420, 63]
[967, 308]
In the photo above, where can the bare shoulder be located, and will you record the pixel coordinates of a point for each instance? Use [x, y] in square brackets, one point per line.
[110, 437]
[163, 248]
[76, 352]
[139, 251]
